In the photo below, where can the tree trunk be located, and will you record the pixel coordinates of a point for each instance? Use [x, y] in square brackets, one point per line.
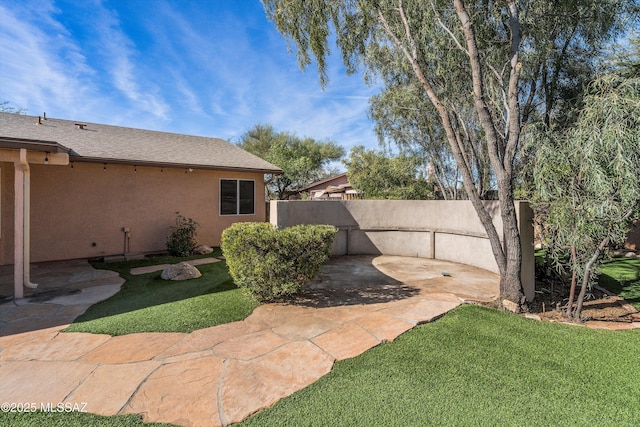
[511, 283]
[508, 257]
[587, 274]
[502, 151]
[572, 291]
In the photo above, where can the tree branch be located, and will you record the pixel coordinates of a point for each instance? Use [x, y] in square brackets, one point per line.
[447, 30]
[513, 138]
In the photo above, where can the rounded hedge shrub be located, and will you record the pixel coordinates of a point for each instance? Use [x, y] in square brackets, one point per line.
[271, 263]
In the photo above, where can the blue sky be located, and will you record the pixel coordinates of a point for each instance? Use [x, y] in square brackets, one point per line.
[202, 67]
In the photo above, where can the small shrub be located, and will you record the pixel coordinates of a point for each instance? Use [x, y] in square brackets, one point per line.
[182, 238]
[269, 263]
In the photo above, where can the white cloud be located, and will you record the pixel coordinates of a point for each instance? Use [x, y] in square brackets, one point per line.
[40, 61]
[120, 55]
[204, 68]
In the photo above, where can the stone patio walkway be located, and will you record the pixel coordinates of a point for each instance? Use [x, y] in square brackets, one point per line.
[221, 375]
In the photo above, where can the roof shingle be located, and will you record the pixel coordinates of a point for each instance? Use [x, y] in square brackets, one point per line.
[106, 143]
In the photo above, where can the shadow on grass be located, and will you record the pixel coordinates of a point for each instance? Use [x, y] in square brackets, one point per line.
[622, 277]
[146, 303]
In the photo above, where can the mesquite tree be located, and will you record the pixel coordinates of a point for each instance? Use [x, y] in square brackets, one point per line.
[468, 60]
[454, 50]
[302, 160]
[587, 178]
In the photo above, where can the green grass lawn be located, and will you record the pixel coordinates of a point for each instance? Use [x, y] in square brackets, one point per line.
[622, 276]
[476, 367]
[473, 367]
[618, 275]
[72, 419]
[147, 303]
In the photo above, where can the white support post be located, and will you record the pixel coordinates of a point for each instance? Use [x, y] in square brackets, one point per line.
[22, 229]
[18, 231]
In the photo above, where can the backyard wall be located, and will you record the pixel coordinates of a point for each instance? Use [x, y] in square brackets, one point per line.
[80, 210]
[445, 230]
[633, 237]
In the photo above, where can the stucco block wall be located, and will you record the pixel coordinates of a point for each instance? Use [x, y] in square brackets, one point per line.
[633, 237]
[447, 230]
[400, 242]
[6, 212]
[80, 211]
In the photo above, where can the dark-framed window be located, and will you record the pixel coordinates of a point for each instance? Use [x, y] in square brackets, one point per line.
[237, 197]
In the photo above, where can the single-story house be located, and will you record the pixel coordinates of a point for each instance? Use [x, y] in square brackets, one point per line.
[333, 188]
[80, 190]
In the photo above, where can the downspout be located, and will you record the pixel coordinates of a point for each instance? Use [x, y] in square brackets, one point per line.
[22, 240]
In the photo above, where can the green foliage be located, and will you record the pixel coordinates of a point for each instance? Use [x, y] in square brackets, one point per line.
[182, 238]
[382, 177]
[303, 160]
[486, 68]
[270, 263]
[586, 176]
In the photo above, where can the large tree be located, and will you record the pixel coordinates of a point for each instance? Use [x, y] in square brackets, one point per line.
[467, 59]
[379, 176]
[303, 160]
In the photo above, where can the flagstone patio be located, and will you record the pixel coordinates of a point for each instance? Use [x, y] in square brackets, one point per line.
[220, 375]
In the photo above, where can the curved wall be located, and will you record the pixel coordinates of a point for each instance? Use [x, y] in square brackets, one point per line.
[445, 230]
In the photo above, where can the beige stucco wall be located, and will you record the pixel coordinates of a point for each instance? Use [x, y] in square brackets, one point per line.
[80, 211]
[447, 230]
[6, 213]
[633, 237]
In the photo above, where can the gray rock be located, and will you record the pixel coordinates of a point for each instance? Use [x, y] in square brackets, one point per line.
[181, 271]
[202, 250]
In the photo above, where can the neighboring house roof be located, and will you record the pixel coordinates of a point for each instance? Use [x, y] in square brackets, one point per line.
[334, 180]
[336, 187]
[94, 142]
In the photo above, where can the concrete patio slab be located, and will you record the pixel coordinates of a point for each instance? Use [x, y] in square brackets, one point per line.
[87, 296]
[159, 267]
[65, 290]
[147, 269]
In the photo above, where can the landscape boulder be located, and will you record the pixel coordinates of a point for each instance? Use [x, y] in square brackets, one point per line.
[181, 271]
[202, 250]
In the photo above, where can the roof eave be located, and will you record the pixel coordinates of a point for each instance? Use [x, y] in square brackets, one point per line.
[33, 145]
[105, 160]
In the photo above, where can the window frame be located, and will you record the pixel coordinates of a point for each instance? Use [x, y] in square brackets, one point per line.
[237, 196]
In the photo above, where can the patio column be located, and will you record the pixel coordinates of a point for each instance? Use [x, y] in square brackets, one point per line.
[22, 236]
